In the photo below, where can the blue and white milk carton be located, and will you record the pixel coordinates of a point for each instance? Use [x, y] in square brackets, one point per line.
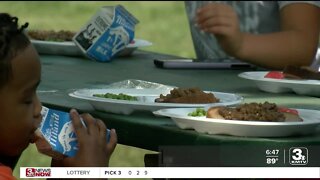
[58, 136]
[109, 31]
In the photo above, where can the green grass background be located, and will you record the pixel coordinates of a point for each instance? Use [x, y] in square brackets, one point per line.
[162, 23]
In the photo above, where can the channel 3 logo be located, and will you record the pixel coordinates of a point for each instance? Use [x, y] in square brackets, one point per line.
[298, 156]
[38, 172]
[30, 172]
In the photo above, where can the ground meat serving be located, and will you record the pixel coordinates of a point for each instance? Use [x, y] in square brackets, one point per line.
[253, 111]
[303, 72]
[50, 35]
[187, 95]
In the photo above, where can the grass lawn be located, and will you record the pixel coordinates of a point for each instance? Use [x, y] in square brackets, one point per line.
[162, 23]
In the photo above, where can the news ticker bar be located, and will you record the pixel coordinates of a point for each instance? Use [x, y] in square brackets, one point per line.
[170, 172]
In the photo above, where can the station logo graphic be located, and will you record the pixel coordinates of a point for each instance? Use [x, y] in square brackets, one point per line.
[38, 172]
[298, 156]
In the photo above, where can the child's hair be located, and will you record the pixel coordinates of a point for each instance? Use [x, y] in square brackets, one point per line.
[12, 40]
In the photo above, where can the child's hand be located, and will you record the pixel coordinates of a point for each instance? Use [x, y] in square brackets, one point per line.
[94, 151]
[222, 21]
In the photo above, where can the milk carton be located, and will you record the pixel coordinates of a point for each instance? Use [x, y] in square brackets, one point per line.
[109, 31]
[57, 134]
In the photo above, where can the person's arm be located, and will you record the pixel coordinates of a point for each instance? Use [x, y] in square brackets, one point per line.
[295, 44]
[94, 150]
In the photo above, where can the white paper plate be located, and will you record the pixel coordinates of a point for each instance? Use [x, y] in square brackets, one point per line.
[70, 49]
[145, 101]
[302, 87]
[309, 125]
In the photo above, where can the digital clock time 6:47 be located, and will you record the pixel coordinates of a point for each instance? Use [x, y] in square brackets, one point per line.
[272, 151]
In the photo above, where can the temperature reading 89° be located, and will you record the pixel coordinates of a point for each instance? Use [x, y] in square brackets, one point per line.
[272, 160]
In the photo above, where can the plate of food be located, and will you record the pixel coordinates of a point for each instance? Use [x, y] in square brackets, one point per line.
[60, 43]
[249, 120]
[302, 81]
[125, 101]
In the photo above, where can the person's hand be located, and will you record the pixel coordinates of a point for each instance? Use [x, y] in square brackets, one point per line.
[222, 21]
[94, 151]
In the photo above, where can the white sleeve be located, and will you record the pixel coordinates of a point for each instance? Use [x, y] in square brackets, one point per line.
[284, 3]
